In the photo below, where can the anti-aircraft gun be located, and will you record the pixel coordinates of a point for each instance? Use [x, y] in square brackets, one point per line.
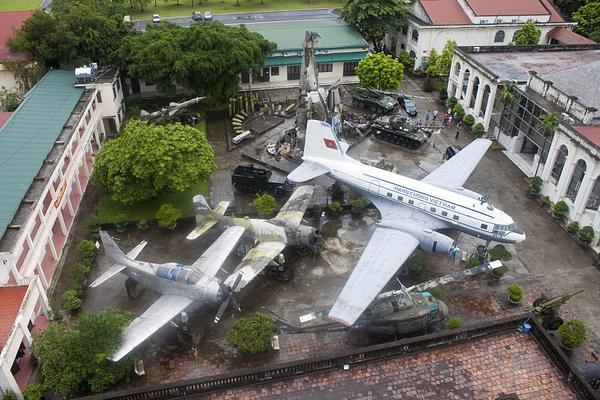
[546, 309]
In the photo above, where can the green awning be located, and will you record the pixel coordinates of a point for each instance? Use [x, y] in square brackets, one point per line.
[321, 58]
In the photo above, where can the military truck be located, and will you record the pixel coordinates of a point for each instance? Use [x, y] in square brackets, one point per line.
[399, 131]
[373, 99]
[249, 179]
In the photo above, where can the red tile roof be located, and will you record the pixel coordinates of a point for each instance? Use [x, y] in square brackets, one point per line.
[566, 36]
[510, 7]
[554, 15]
[590, 132]
[9, 21]
[4, 116]
[445, 12]
[11, 298]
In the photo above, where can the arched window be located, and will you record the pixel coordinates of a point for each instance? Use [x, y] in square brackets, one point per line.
[457, 69]
[415, 35]
[412, 54]
[594, 200]
[465, 82]
[515, 36]
[499, 38]
[576, 179]
[559, 163]
[474, 92]
[484, 101]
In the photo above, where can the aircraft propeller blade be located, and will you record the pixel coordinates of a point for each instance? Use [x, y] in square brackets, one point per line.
[229, 292]
[221, 310]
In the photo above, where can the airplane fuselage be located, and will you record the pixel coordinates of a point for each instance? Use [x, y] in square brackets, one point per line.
[454, 210]
[266, 231]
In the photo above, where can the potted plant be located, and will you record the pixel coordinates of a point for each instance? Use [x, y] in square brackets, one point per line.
[572, 334]
[560, 210]
[545, 201]
[515, 293]
[586, 234]
[499, 272]
[534, 186]
[573, 227]
[478, 130]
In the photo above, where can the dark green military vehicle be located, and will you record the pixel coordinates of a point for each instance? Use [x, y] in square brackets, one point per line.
[373, 99]
[400, 131]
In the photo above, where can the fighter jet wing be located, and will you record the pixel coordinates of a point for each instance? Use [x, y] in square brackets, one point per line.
[387, 250]
[253, 263]
[455, 172]
[162, 311]
[213, 258]
[293, 210]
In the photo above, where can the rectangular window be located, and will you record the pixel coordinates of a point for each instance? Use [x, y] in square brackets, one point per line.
[411, 202]
[99, 97]
[483, 226]
[274, 71]
[293, 72]
[455, 217]
[325, 67]
[400, 198]
[350, 68]
[444, 213]
[389, 194]
[405, 30]
[245, 77]
[432, 209]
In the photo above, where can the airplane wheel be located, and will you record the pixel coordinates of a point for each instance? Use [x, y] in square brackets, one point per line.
[133, 288]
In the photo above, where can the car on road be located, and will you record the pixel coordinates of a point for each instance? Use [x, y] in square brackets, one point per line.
[451, 151]
[155, 18]
[197, 16]
[208, 16]
[408, 105]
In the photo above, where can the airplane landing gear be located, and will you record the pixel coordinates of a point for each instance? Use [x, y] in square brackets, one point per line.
[280, 272]
[133, 288]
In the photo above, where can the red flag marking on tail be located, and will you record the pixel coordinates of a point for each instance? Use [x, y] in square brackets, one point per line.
[330, 144]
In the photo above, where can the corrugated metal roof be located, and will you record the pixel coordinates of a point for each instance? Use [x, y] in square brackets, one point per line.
[321, 58]
[290, 35]
[28, 135]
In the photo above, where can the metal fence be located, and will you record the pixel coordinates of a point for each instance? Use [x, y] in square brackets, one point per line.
[366, 354]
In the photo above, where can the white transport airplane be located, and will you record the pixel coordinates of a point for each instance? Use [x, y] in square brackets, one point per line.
[411, 212]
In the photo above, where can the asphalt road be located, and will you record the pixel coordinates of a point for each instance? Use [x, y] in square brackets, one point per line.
[245, 18]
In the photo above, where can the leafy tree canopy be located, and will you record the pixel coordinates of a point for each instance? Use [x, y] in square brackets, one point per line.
[73, 358]
[146, 160]
[567, 7]
[380, 71]
[204, 58]
[265, 205]
[77, 35]
[588, 20]
[529, 34]
[374, 18]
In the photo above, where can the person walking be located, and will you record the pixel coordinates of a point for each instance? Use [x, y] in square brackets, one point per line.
[457, 133]
[420, 124]
[435, 114]
[445, 120]
[427, 114]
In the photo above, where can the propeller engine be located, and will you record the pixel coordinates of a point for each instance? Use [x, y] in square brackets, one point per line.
[227, 292]
[303, 236]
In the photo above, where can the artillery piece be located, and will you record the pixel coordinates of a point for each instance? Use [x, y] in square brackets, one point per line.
[546, 309]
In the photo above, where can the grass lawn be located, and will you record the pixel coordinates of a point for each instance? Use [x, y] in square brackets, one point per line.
[19, 5]
[170, 8]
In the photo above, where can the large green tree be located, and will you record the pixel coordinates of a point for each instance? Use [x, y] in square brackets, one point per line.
[567, 7]
[204, 58]
[146, 160]
[529, 34]
[374, 18]
[380, 71]
[588, 20]
[73, 358]
[77, 35]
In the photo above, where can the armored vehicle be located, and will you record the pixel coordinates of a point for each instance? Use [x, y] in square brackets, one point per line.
[400, 131]
[249, 179]
[375, 100]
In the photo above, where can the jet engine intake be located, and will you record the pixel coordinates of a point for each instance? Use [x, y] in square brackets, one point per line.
[435, 242]
[303, 235]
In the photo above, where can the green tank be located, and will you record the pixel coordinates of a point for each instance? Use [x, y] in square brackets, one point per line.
[400, 131]
[373, 99]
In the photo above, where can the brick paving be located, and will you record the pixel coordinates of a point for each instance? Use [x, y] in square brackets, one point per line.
[481, 369]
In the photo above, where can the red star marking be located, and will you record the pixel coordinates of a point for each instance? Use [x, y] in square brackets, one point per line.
[330, 144]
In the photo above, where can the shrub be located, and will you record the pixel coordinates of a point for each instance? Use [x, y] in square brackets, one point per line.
[454, 323]
[336, 207]
[443, 94]
[336, 192]
[458, 111]
[534, 185]
[500, 271]
[416, 263]
[478, 129]
[472, 263]
[452, 101]
[167, 216]
[93, 223]
[514, 292]
[9, 395]
[143, 224]
[359, 205]
[405, 59]
[34, 391]
[427, 86]
[573, 227]
[586, 234]
[545, 200]
[253, 334]
[572, 333]
[469, 120]
[265, 205]
[560, 210]
[87, 248]
[120, 222]
[71, 300]
[439, 292]
[499, 252]
[79, 273]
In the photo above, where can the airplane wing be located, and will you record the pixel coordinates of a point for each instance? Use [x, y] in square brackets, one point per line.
[456, 171]
[293, 210]
[385, 253]
[213, 258]
[254, 262]
[161, 312]
[400, 215]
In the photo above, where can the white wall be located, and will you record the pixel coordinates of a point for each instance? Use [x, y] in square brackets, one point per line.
[7, 80]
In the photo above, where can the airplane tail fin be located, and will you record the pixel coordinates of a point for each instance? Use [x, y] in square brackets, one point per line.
[113, 252]
[320, 143]
[206, 217]
[116, 268]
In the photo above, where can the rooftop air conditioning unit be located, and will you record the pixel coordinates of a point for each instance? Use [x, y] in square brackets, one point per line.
[476, 49]
[571, 121]
[564, 117]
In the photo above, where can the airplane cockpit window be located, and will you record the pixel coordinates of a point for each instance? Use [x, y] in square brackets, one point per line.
[178, 273]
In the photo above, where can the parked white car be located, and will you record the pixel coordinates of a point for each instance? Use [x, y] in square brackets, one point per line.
[155, 18]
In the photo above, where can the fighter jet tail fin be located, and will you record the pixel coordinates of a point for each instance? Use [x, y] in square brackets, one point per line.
[206, 217]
